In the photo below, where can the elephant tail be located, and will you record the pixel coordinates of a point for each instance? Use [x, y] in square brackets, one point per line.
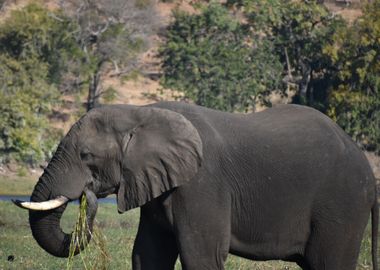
[375, 226]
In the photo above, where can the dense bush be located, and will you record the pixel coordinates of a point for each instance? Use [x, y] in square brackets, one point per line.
[277, 41]
[230, 57]
[211, 59]
[299, 31]
[46, 36]
[355, 96]
[230, 64]
[34, 45]
[25, 99]
[44, 53]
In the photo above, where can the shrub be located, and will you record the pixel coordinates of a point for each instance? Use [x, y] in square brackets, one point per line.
[25, 100]
[211, 59]
[355, 96]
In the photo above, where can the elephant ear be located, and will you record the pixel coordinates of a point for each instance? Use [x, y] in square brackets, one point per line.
[161, 152]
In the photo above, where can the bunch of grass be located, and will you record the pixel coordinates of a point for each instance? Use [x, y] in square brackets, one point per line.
[95, 254]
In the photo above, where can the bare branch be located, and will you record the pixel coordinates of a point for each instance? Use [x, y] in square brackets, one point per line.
[55, 17]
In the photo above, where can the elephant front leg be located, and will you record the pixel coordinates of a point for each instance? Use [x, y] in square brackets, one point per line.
[204, 250]
[154, 248]
[203, 237]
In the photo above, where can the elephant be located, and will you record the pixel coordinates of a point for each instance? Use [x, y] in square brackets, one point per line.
[285, 183]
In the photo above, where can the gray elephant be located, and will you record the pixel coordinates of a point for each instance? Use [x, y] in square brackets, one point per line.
[286, 183]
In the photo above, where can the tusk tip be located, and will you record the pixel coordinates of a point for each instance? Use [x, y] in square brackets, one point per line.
[18, 203]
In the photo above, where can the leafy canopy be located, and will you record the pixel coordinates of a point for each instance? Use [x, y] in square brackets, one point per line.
[34, 44]
[355, 95]
[35, 32]
[299, 31]
[210, 58]
[25, 98]
[230, 64]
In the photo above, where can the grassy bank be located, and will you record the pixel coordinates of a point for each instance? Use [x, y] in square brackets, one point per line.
[119, 230]
[16, 239]
[17, 185]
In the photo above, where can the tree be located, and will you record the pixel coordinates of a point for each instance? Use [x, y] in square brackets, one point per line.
[110, 32]
[299, 30]
[25, 100]
[34, 46]
[355, 96]
[35, 32]
[210, 58]
[42, 51]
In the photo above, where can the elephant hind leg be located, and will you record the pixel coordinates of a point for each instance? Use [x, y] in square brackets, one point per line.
[334, 246]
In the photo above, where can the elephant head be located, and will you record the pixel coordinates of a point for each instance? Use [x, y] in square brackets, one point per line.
[137, 153]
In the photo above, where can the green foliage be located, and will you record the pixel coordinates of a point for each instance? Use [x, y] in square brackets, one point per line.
[25, 99]
[335, 67]
[67, 49]
[35, 32]
[355, 96]
[277, 41]
[109, 95]
[210, 58]
[299, 30]
[33, 48]
[143, 3]
[230, 64]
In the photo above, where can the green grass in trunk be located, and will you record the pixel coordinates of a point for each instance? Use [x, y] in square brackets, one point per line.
[118, 231]
[95, 256]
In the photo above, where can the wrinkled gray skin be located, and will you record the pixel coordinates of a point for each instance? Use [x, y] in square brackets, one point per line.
[286, 183]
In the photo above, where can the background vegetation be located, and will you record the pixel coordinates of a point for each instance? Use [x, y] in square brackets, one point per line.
[234, 57]
[293, 48]
[45, 54]
[212, 59]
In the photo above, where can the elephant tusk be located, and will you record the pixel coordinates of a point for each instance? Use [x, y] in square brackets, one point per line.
[42, 206]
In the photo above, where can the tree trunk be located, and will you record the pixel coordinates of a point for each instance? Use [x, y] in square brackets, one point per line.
[94, 90]
[304, 82]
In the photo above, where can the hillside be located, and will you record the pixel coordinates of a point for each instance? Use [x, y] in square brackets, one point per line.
[143, 89]
[140, 89]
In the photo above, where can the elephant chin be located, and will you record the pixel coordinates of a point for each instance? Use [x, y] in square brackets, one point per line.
[46, 228]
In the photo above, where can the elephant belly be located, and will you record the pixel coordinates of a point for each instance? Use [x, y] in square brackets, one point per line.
[271, 242]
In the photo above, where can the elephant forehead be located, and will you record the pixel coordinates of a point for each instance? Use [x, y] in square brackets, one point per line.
[100, 142]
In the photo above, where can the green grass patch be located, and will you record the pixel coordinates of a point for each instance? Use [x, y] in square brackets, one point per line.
[16, 238]
[118, 231]
[17, 185]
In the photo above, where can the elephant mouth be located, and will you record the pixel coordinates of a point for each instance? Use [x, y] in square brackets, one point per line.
[105, 193]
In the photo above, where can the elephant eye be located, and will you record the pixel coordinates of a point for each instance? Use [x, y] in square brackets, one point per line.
[85, 155]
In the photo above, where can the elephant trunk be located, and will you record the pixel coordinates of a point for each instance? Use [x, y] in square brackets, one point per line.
[46, 228]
